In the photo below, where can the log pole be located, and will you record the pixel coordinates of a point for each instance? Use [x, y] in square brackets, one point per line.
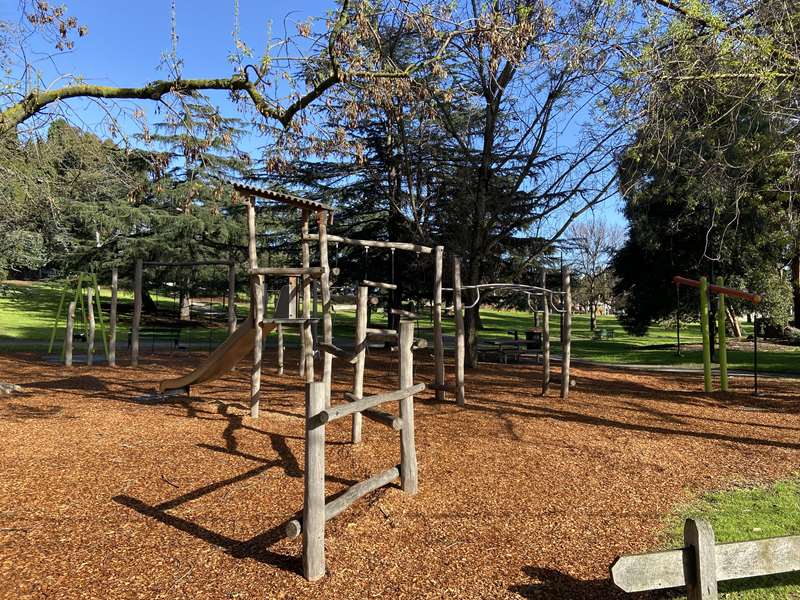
[314, 486]
[137, 312]
[112, 319]
[723, 349]
[69, 334]
[459, 320]
[704, 328]
[566, 340]
[438, 339]
[91, 326]
[325, 291]
[408, 452]
[545, 337]
[231, 298]
[362, 299]
[306, 339]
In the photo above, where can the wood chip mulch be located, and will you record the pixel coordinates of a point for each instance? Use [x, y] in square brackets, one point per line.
[106, 492]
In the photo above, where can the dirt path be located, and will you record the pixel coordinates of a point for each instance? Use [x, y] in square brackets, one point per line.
[106, 494]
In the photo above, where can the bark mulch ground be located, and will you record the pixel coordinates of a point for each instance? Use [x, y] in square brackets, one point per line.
[106, 493]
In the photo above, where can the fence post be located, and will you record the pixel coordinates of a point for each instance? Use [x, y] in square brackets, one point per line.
[314, 486]
[438, 341]
[112, 320]
[91, 326]
[69, 334]
[545, 336]
[257, 302]
[459, 319]
[362, 300]
[137, 312]
[702, 584]
[408, 451]
[566, 333]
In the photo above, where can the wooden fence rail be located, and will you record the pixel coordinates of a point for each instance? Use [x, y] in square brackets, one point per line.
[701, 563]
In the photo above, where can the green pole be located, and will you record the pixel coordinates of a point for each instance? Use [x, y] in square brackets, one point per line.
[704, 330]
[723, 350]
[58, 315]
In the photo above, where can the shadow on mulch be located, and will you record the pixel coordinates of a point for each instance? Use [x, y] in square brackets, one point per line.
[22, 412]
[555, 584]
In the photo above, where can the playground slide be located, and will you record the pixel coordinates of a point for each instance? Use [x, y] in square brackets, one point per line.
[222, 359]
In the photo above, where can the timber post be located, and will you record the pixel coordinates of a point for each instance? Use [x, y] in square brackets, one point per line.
[704, 328]
[314, 484]
[362, 301]
[408, 452]
[69, 334]
[306, 337]
[256, 308]
[137, 312]
[723, 347]
[90, 330]
[231, 298]
[112, 320]
[325, 290]
[459, 321]
[566, 340]
[545, 336]
[438, 340]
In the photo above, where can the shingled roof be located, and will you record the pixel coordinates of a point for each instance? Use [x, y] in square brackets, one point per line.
[282, 197]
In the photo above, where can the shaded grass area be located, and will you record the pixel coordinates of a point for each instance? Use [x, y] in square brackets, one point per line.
[27, 312]
[748, 514]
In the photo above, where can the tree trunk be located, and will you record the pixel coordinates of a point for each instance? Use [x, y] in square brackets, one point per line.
[592, 316]
[186, 307]
[796, 287]
[472, 315]
[736, 327]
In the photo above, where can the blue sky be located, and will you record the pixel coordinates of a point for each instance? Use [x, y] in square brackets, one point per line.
[126, 42]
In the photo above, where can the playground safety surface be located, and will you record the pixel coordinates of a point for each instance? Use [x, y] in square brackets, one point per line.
[108, 493]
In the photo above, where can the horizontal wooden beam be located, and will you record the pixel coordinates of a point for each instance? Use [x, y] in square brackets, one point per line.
[335, 507]
[406, 314]
[373, 243]
[379, 284]
[288, 271]
[350, 357]
[361, 404]
[718, 289]
[379, 416]
[196, 263]
[379, 331]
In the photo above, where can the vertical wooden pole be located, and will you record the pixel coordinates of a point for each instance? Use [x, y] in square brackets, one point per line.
[69, 334]
[314, 486]
[137, 312]
[306, 339]
[257, 303]
[723, 349]
[231, 298]
[702, 585]
[706, 335]
[566, 339]
[438, 340]
[112, 320]
[545, 337]
[362, 300]
[280, 349]
[408, 451]
[256, 308]
[325, 289]
[459, 319]
[90, 330]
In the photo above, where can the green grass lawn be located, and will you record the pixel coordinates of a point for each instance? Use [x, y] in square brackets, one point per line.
[27, 313]
[748, 514]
